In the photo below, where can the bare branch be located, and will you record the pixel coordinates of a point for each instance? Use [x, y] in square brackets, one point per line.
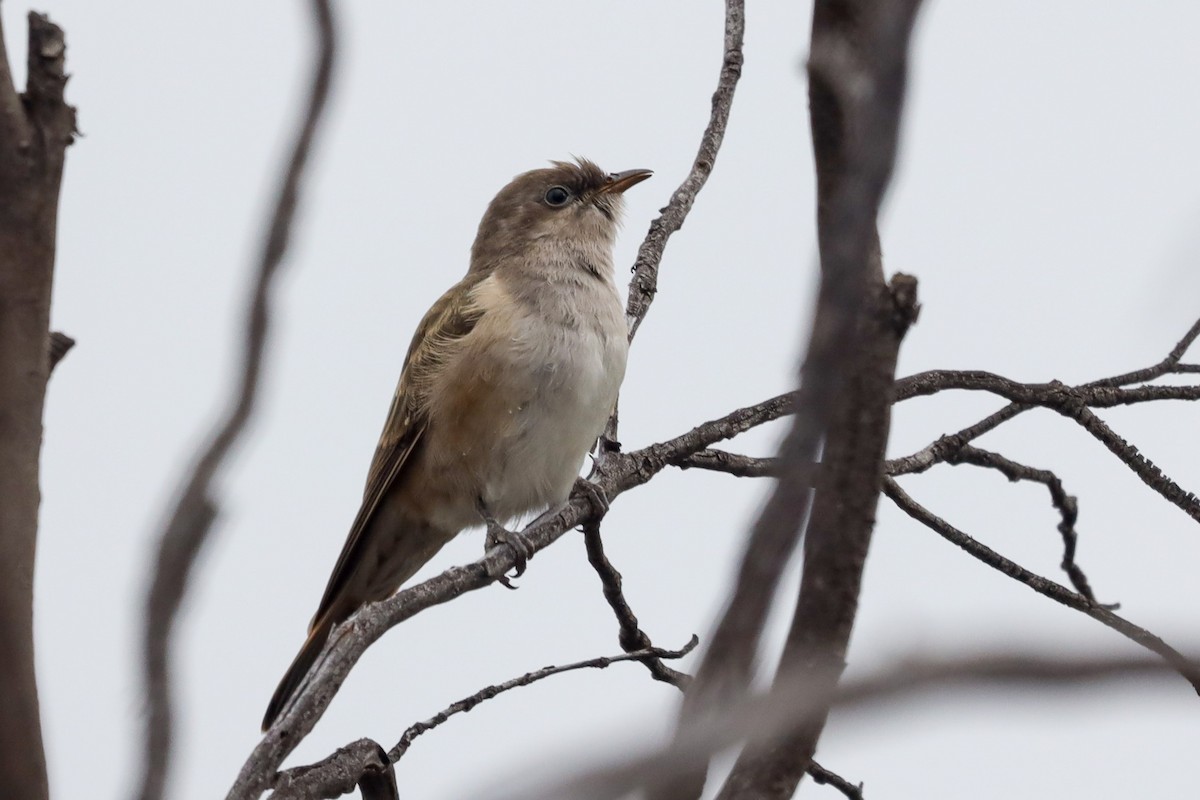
[1043, 586]
[747, 466]
[1064, 503]
[631, 637]
[1071, 402]
[339, 773]
[468, 703]
[673, 452]
[195, 508]
[939, 450]
[35, 129]
[1129, 455]
[1043, 394]
[734, 464]
[767, 716]
[1167, 365]
[644, 284]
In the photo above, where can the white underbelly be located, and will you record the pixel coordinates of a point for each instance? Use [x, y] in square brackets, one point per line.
[522, 399]
[573, 376]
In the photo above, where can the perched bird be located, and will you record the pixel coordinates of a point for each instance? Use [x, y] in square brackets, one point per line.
[506, 387]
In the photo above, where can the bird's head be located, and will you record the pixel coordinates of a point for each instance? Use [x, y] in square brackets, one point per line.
[567, 204]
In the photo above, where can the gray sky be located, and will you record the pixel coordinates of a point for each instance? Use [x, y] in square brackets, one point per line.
[1046, 197]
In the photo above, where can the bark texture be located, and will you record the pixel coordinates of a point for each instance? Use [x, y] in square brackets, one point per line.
[36, 127]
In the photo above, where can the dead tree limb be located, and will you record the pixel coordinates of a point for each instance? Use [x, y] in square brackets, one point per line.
[196, 505]
[36, 127]
[856, 88]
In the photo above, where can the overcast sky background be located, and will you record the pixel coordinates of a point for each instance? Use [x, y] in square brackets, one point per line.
[1047, 197]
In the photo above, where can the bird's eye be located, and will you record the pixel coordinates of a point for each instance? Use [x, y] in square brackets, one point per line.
[557, 196]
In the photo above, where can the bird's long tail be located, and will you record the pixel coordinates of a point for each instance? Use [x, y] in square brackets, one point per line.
[299, 669]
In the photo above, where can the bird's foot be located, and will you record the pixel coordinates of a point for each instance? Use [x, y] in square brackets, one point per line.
[594, 493]
[497, 535]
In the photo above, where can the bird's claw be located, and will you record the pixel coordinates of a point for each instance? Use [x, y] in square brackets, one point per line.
[594, 493]
[497, 535]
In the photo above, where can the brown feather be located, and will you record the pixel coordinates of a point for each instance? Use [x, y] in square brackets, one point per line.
[296, 673]
[451, 318]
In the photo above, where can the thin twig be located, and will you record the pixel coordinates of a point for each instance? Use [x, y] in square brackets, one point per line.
[1053, 393]
[644, 283]
[654, 458]
[1072, 402]
[821, 775]
[196, 507]
[1043, 586]
[735, 464]
[1065, 504]
[631, 637]
[1167, 365]
[946, 445]
[939, 450]
[487, 693]
[925, 383]
[345, 768]
[1131, 457]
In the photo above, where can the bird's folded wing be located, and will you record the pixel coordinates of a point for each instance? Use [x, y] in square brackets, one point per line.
[450, 319]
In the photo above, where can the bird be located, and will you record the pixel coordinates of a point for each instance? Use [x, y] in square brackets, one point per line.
[505, 389]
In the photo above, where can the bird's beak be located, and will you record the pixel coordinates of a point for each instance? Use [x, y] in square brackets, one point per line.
[618, 182]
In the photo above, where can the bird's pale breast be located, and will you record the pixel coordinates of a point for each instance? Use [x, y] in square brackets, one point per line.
[526, 396]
